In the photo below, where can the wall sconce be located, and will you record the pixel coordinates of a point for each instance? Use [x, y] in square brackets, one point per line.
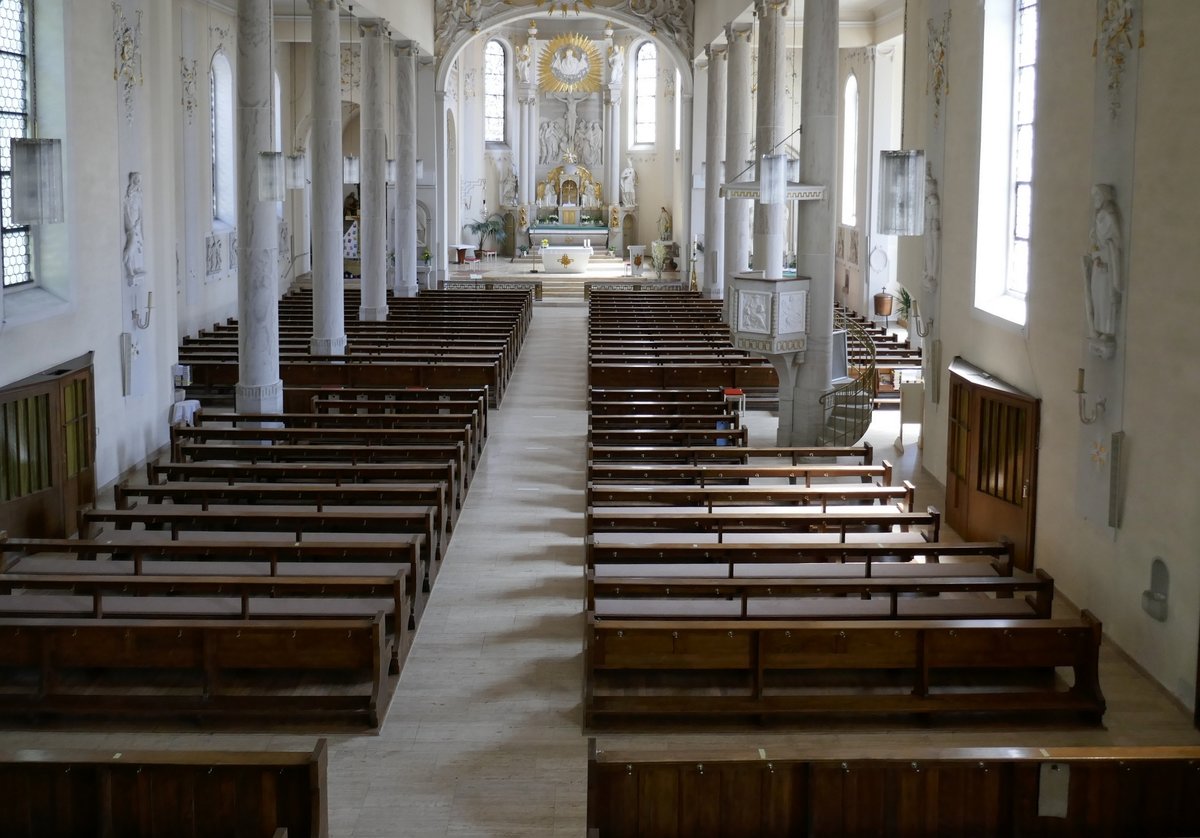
[270, 176]
[902, 193]
[350, 169]
[294, 171]
[37, 181]
[1085, 416]
[140, 321]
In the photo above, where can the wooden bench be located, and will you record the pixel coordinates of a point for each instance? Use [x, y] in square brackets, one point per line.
[725, 474]
[769, 670]
[669, 437]
[218, 672]
[764, 787]
[710, 395]
[665, 421]
[58, 792]
[710, 497]
[695, 454]
[719, 524]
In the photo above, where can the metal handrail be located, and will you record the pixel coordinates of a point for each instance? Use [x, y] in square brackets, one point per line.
[847, 409]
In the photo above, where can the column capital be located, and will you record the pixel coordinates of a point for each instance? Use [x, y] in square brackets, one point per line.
[761, 7]
[701, 61]
[738, 32]
[372, 27]
[403, 49]
[328, 5]
[714, 52]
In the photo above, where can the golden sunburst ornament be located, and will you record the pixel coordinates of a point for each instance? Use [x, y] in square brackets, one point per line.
[566, 260]
[570, 63]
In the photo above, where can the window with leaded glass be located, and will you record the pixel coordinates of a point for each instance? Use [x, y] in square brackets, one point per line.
[1017, 283]
[15, 119]
[224, 190]
[495, 89]
[645, 81]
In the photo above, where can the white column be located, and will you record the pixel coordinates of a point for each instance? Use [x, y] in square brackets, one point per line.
[714, 151]
[612, 140]
[259, 389]
[683, 230]
[739, 128]
[329, 317]
[769, 132]
[373, 209]
[815, 234]
[526, 96]
[406, 166]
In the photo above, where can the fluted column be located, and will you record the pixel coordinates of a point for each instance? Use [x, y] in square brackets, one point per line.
[259, 389]
[770, 127]
[406, 165]
[373, 209]
[329, 317]
[714, 150]
[814, 241]
[739, 128]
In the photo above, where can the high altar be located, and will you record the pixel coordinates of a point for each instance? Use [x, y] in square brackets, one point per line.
[571, 208]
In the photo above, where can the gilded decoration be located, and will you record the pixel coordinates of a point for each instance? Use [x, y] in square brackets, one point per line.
[569, 187]
[1114, 42]
[570, 64]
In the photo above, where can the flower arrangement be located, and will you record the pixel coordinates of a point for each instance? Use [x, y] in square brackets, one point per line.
[426, 255]
[545, 242]
[658, 256]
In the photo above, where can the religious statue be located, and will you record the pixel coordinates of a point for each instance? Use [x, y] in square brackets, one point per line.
[551, 195]
[1103, 284]
[616, 65]
[212, 255]
[524, 63]
[629, 184]
[933, 231]
[664, 225]
[133, 253]
[350, 206]
[569, 64]
[508, 187]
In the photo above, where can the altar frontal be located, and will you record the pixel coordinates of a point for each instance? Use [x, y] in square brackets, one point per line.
[566, 259]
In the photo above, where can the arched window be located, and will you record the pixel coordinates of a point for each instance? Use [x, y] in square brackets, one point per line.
[15, 119]
[224, 190]
[850, 154]
[495, 93]
[645, 80]
[1006, 158]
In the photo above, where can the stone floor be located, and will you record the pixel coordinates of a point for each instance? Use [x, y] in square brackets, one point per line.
[483, 737]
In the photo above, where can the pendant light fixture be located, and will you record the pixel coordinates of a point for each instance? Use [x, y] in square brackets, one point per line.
[294, 165]
[351, 165]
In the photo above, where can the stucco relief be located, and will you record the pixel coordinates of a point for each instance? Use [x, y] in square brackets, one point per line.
[127, 56]
[793, 313]
[937, 82]
[754, 312]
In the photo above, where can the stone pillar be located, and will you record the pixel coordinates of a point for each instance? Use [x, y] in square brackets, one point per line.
[406, 169]
[612, 142]
[329, 317]
[815, 233]
[373, 209]
[259, 389]
[526, 98]
[683, 229]
[714, 151]
[771, 124]
[738, 131]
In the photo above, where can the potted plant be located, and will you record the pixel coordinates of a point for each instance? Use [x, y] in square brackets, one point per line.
[426, 256]
[490, 227]
[905, 310]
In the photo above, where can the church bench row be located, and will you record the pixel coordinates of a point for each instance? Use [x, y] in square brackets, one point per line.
[597, 396]
[744, 375]
[665, 421]
[793, 598]
[181, 793]
[649, 668]
[301, 522]
[725, 474]
[341, 419]
[334, 475]
[212, 556]
[694, 455]
[705, 525]
[656, 408]
[157, 596]
[712, 497]
[799, 791]
[671, 437]
[219, 672]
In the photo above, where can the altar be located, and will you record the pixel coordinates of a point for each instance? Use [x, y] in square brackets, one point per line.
[568, 234]
[565, 259]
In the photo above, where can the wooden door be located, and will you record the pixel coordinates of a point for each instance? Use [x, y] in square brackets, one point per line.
[47, 450]
[991, 460]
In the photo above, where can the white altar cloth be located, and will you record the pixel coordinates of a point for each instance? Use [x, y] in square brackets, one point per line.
[564, 259]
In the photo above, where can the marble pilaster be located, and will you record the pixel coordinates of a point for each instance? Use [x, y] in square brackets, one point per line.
[714, 151]
[683, 226]
[739, 129]
[329, 326]
[815, 232]
[406, 165]
[259, 388]
[770, 130]
[373, 209]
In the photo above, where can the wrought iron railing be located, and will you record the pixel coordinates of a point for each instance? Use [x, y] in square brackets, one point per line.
[848, 408]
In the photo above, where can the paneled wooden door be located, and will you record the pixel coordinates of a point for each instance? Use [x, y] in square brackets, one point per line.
[47, 450]
[991, 460]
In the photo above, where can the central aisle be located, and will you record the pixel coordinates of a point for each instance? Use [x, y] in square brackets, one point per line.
[483, 737]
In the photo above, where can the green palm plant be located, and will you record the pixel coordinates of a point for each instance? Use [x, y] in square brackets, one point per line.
[492, 226]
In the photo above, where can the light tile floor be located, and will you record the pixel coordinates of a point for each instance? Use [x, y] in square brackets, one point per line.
[483, 737]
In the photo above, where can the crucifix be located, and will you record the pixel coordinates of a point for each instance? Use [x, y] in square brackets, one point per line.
[571, 100]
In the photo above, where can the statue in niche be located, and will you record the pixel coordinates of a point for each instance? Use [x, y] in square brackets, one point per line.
[551, 195]
[664, 225]
[133, 254]
[1103, 283]
[616, 65]
[350, 206]
[524, 62]
[933, 231]
[508, 187]
[629, 184]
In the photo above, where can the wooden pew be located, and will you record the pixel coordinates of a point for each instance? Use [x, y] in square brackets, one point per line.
[723, 474]
[822, 496]
[744, 788]
[59, 792]
[665, 421]
[669, 437]
[647, 668]
[334, 474]
[791, 523]
[695, 454]
[219, 672]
